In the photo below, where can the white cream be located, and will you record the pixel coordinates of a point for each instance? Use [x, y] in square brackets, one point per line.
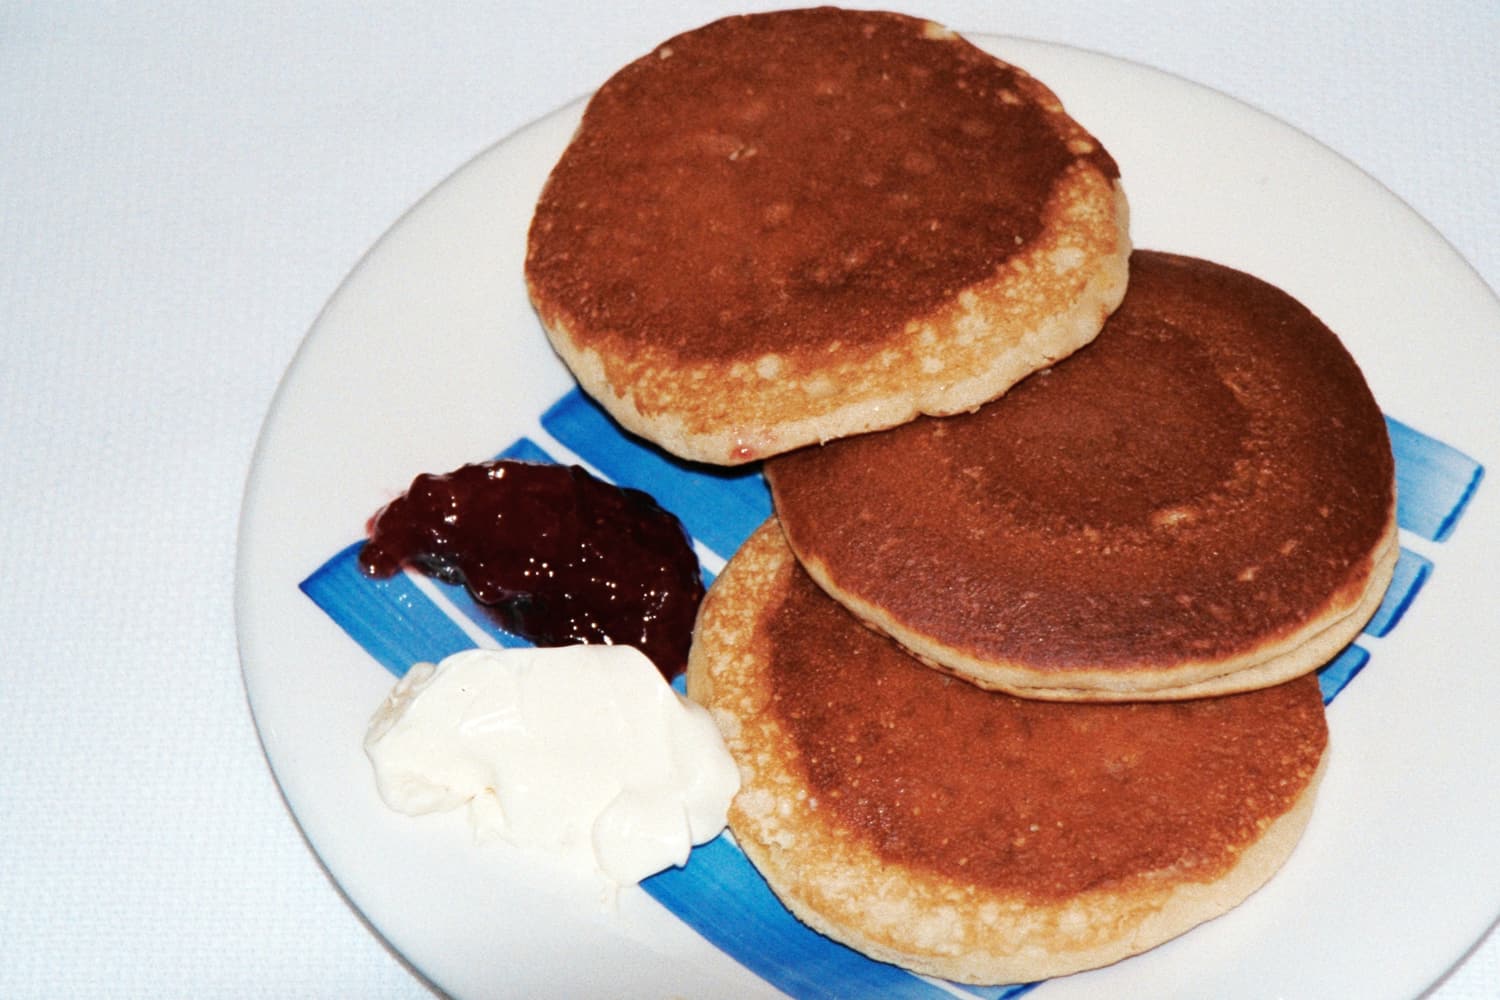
[582, 751]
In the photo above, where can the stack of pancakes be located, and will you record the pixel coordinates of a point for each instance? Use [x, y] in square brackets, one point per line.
[1018, 676]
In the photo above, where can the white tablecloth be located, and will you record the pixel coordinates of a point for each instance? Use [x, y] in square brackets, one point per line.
[181, 188]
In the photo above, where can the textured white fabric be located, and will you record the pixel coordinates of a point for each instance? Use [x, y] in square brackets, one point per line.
[181, 188]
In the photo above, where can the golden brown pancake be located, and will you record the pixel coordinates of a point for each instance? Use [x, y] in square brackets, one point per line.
[1202, 501]
[787, 227]
[969, 834]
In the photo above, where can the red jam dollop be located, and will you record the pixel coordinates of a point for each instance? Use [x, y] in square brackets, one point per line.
[552, 553]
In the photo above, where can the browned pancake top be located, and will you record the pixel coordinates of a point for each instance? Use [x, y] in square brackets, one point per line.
[1204, 478]
[800, 182]
[1035, 799]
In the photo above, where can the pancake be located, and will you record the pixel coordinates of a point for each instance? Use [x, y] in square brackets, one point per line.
[1200, 502]
[973, 835]
[782, 228]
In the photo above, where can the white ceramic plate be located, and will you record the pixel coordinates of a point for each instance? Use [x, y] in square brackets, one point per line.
[429, 356]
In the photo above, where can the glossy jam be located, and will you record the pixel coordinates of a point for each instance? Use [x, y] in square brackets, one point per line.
[552, 553]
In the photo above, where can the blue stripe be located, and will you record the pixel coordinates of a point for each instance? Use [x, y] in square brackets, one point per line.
[719, 507]
[998, 992]
[393, 621]
[1411, 573]
[1336, 674]
[1434, 481]
[719, 893]
[527, 450]
[475, 612]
